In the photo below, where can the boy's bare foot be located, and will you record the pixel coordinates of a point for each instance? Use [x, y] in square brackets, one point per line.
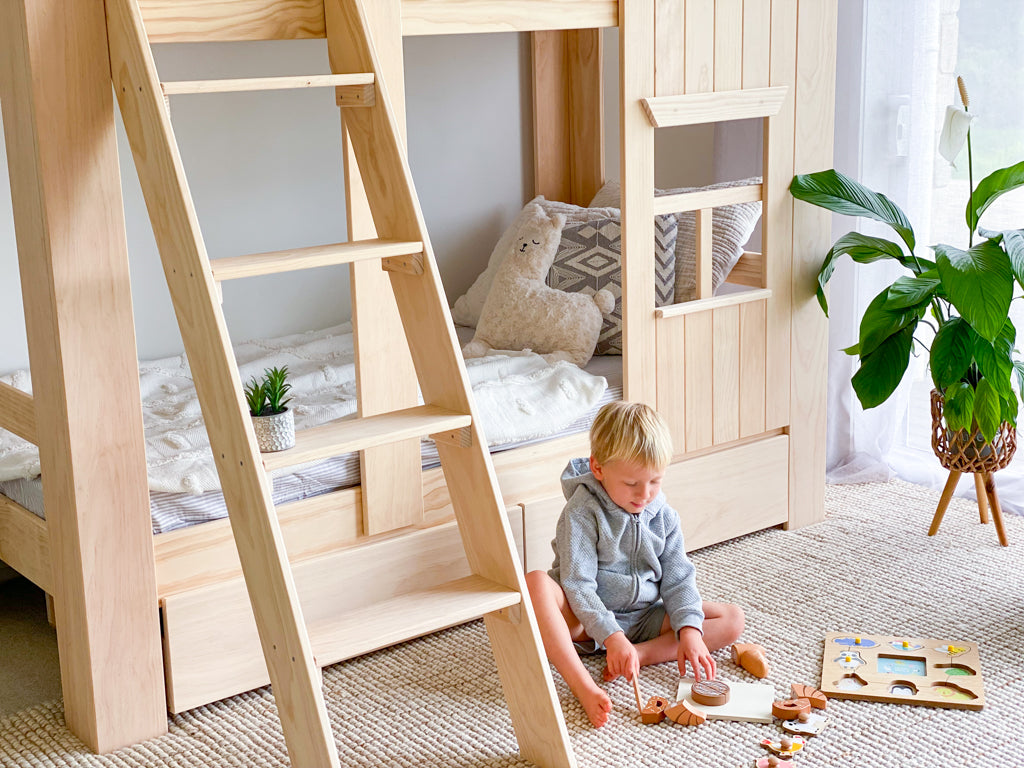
[597, 705]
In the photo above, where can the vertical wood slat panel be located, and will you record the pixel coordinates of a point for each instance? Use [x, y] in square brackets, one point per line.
[669, 31]
[672, 378]
[699, 46]
[728, 45]
[757, 29]
[814, 125]
[699, 388]
[703, 247]
[752, 367]
[725, 405]
[777, 218]
[585, 57]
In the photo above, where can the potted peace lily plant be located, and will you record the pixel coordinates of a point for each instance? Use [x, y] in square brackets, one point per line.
[964, 295]
[273, 422]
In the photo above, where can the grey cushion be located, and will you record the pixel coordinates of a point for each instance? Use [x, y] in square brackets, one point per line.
[589, 259]
[731, 228]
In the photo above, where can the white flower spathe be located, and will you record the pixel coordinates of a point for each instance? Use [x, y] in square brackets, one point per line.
[954, 133]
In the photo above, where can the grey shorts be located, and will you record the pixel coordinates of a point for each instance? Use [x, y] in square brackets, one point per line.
[640, 625]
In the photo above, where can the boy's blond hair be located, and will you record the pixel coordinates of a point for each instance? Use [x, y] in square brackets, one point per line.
[631, 432]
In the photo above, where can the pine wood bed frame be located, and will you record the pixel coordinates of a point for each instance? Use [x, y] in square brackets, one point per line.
[741, 377]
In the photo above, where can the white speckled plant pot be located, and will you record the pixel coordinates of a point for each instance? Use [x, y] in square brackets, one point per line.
[275, 432]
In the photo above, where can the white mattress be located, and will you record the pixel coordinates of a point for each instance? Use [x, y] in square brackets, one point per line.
[171, 511]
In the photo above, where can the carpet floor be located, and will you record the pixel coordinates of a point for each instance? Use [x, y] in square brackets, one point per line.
[868, 569]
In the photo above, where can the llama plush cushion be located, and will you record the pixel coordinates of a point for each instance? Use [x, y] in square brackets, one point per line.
[522, 312]
[731, 228]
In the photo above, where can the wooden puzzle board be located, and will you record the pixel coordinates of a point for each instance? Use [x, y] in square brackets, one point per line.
[748, 702]
[902, 670]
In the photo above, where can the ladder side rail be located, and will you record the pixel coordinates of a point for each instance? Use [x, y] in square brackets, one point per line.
[285, 641]
[472, 483]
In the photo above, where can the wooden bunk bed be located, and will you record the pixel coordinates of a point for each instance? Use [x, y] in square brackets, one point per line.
[741, 377]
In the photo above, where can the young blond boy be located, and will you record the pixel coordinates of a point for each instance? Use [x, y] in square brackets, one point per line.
[621, 579]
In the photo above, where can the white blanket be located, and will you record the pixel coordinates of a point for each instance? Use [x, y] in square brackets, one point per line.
[519, 396]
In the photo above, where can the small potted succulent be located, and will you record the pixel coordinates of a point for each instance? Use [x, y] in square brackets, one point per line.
[965, 295]
[273, 421]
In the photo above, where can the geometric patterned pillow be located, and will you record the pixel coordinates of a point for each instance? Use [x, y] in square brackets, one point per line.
[589, 259]
[731, 228]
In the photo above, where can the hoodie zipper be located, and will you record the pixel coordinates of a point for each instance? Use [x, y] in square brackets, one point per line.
[636, 557]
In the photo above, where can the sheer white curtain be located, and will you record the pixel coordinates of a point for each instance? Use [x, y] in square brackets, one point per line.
[898, 62]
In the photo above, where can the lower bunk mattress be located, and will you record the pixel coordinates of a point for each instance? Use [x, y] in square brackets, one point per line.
[520, 399]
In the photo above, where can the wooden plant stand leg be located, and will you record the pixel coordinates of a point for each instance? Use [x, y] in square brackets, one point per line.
[947, 494]
[997, 512]
[980, 492]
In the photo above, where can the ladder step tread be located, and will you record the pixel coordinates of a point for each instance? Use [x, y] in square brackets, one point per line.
[234, 267]
[407, 616]
[178, 87]
[348, 435]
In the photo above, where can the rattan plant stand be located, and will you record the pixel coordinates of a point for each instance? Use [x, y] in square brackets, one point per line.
[959, 452]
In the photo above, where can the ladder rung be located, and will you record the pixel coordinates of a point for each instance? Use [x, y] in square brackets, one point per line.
[714, 106]
[177, 87]
[340, 437]
[407, 616]
[18, 413]
[233, 267]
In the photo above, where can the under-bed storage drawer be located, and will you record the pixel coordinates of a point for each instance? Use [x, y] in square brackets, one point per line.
[211, 646]
[719, 496]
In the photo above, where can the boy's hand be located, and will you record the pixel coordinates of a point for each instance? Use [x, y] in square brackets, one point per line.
[622, 657]
[692, 649]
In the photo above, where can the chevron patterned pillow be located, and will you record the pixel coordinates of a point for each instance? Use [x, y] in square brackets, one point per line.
[589, 259]
[731, 228]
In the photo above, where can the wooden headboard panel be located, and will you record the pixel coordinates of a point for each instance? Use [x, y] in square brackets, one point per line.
[181, 21]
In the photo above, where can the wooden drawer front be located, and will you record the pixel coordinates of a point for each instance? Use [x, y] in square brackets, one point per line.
[539, 521]
[705, 45]
[723, 495]
[711, 375]
[211, 646]
[718, 496]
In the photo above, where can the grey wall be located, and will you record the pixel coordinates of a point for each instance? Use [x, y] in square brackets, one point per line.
[265, 173]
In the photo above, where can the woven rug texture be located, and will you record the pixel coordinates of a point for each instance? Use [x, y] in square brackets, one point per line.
[869, 568]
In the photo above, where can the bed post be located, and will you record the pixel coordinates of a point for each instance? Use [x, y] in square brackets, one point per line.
[59, 123]
[812, 236]
[568, 114]
[390, 475]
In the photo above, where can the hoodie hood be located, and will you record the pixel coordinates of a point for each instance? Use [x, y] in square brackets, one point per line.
[577, 473]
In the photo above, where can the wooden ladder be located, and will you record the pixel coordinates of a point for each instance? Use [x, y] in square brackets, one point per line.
[496, 589]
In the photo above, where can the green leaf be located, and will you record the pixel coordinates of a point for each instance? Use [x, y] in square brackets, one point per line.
[912, 291]
[839, 193]
[1009, 409]
[951, 354]
[990, 188]
[987, 409]
[863, 249]
[1013, 244]
[978, 283]
[995, 359]
[959, 406]
[1019, 368]
[881, 371]
[853, 350]
[879, 323]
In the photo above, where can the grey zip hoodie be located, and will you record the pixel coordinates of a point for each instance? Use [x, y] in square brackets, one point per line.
[611, 561]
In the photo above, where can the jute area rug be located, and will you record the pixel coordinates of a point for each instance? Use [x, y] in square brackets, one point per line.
[869, 568]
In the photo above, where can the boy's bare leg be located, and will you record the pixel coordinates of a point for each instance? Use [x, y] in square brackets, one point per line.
[559, 627]
[723, 625]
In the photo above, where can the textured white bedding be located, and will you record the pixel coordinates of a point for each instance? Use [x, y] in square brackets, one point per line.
[519, 397]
